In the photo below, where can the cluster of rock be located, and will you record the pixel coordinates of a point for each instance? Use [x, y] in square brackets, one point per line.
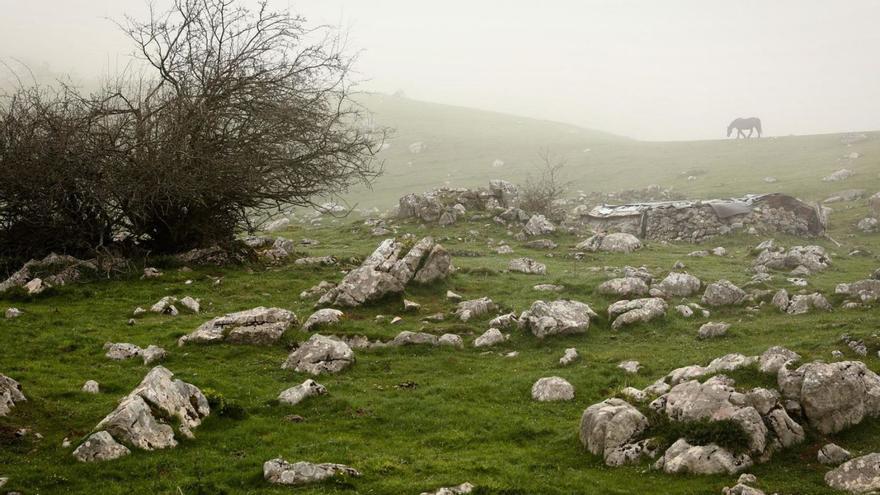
[799, 304]
[167, 306]
[144, 418]
[258, 326]
[828, 397]
[560, 317]
[388, 270]
[35, 276]
[271, 249]
[797, 260]
[838, 175]
[447, 205]
[10, 393]
[697, 221]
[860, 292]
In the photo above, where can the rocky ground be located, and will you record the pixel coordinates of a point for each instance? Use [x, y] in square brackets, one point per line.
[485, 355]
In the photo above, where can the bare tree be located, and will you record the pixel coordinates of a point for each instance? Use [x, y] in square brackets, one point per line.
[542, 193]
[249, 110]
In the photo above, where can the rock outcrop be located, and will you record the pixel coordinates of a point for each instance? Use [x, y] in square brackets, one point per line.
[320, 354]
[259, 326]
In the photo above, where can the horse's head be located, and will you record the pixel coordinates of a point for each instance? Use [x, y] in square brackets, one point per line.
[729, 130]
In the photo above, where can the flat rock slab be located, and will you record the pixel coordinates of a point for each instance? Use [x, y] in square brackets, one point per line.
[281, 472]
[258, 326]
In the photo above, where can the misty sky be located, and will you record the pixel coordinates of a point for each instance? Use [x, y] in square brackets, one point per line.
[677, 69]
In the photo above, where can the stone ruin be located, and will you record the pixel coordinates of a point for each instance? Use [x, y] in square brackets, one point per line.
[446, 205]
[697, 220]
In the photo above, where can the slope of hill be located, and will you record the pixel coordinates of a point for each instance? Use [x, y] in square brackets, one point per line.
[466, 147]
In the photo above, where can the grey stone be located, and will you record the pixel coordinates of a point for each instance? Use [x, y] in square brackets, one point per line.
[552, 388]
[322, 318]
[295, 395]
[558, 317]
[859, 475]
[279, 471]
[100, 446]
[320, 354]
[259, 326]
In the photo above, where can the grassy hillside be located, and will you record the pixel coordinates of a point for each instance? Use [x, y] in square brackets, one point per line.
[462, 144]
[469, 415]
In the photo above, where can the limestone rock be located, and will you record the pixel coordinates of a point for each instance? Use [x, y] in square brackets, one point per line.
[388, 270]
[122, 350]
[489, 338]
[609, 425]
[281, 472]
[636, 311]
[624, 287]
[295, 395]
[723, 293]
[452, 490]
[322, 318]
[775, 358]
[320, 354]
[538, 225]
[91, 387]
[685, 458]
[100, 446]
[13, 313]
[474, 308]
[832, 454]
[413, 338]
[859, 475]
[631, 367]
[527, 266]
[569, 356]
[10, 394]
[153, 354]
[834, 396]
[679, 285]
[613, 243]
[260, 326]
[552, 389]
[558, 317]
[711, 330]
[451, 340]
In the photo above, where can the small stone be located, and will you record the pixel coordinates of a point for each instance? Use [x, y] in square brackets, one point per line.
[712, 330]
[569, 356]
[452, 296]
[294, 395]
[451, 340]
[631, 367]
[411, 306]
[153, 354]
[552, 388]
[91, 387]
[396, 320]
[13, 313]
[100, 446]
[489, 338]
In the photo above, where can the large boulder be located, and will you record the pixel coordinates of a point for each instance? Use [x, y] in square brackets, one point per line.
[558, 317]
[859, 475]
[281, 472]
[388, 270]
[624, 287]
[609, 425]
[723, 293]
[833, 396]
[144, 418]
[613, 243]
[10, 393]
[262, 326]
[320, 354]
[636, 311]
[684, 458]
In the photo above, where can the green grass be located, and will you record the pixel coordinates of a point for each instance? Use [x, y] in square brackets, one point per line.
[470, 416]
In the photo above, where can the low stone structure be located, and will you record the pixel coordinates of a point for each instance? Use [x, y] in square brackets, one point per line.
[446, 205]
[697, 220]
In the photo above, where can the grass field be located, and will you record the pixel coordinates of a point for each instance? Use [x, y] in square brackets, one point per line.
[470, 416]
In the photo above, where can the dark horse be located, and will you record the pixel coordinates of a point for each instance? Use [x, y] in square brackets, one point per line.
[750, 124]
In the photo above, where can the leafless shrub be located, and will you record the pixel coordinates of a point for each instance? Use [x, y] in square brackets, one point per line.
[543, 191]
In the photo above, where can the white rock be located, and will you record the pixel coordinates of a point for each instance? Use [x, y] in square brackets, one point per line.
[552, 389]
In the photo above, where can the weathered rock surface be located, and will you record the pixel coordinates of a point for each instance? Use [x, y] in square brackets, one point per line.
[636, 311]
[388, 270]
[322, 318]
[474, 308]
[527, 266]
[260, 326]
[624, 287]
[859, 475]
[685, 458]
[775, 358]
[711, 330]
[558, 317]
[569, 356]
[612, 243]
[10, 394]
[538, 225]
[295, 395]
[832, 454]
[281, 472]
[609, 425]
[52, 270]
[552, 388]
[489, 338]
[723, 293]
[320, 354]
[679, 285]
[141, 419]
[100, 446]
[452, 490]
[810, 259]
[413, 338]
[834, 396]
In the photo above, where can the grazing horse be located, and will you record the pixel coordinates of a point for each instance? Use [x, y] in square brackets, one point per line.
[751, 124]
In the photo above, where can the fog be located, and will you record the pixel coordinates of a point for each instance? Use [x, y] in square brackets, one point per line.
[650, 70]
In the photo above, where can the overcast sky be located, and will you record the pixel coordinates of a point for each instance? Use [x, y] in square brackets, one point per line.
[649, 69]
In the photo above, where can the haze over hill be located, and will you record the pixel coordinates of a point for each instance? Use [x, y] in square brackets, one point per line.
[438, 145]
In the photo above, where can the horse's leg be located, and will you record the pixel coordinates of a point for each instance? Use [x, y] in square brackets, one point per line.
[739, 133]
[751, 130]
